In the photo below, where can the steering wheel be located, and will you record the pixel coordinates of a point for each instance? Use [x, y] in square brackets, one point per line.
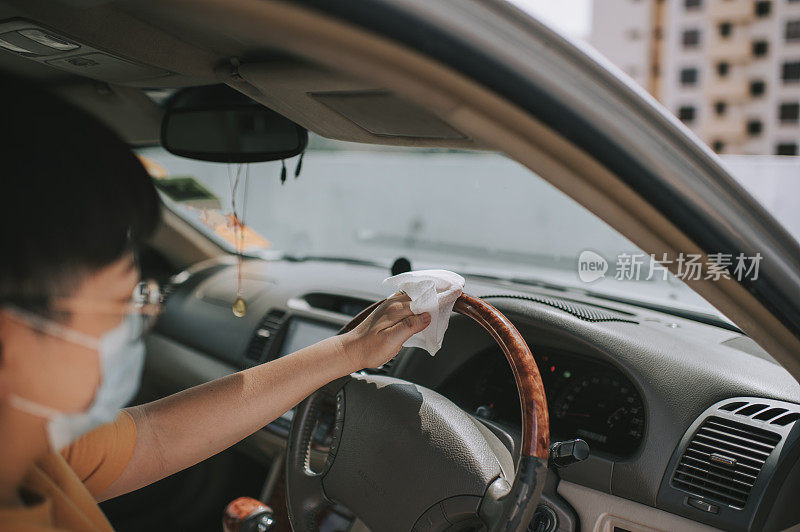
[403, 457]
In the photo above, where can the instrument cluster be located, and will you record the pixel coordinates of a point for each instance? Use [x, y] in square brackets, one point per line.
[587, 399]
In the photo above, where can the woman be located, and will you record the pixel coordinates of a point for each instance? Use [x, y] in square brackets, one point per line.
[78, 207]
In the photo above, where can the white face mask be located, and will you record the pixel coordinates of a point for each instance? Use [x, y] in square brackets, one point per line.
[121, 352]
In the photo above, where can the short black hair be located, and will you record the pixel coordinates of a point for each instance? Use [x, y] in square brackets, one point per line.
[74, 197]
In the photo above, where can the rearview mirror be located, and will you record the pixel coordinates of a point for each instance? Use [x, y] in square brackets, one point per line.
[219, 124]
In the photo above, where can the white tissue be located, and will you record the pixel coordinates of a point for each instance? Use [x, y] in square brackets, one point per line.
[434, 292]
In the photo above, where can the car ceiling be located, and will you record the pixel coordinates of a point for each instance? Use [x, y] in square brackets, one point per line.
[158, 48]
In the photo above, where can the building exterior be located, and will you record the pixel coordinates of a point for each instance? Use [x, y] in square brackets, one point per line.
[730, 69]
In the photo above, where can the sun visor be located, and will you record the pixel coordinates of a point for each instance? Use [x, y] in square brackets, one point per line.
[382, 113]
[338, 107]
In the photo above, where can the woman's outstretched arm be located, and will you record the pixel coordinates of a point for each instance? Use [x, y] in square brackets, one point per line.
[185, 428]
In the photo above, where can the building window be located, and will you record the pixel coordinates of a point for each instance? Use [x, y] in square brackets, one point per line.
[725, 29]
[692, 4]
[718, 146]
[723, 68]
[789, 112]
[792, 30]
[633, 34]
[763, 8]
[757, 88]
[755, 127]
[791, 71]
[760, 48]
[688, 76]
[786, 148]
[720, 108]
[691, 38]
[686, 113]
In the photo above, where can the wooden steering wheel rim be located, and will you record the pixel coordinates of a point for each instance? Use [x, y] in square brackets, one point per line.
[535, 419]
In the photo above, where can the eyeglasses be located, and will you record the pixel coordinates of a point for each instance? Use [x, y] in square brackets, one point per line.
[147, 300]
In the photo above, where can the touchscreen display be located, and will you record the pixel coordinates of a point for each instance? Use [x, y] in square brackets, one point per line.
[302, 333]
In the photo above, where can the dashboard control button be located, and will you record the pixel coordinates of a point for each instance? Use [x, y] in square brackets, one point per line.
[336, 438]
[702, 505]
[340, 406]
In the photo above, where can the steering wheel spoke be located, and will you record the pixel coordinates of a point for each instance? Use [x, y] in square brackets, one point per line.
[307, 493]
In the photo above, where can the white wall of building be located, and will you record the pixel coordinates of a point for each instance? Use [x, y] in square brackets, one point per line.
[625, 40]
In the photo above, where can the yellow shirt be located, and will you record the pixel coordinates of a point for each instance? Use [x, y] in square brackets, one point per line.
[60, 490]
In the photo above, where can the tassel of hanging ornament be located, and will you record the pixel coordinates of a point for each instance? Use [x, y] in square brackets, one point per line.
[283, 172]
[299, 166]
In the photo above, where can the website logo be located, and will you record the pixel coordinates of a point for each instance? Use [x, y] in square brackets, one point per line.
[591, 266]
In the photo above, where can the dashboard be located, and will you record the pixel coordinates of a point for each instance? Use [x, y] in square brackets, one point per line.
[639, 385]
[586, 399]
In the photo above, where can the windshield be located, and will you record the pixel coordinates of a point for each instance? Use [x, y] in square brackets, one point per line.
[474, 213]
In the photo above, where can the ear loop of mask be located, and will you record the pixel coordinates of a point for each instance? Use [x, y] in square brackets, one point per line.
[54, 329]
[32, 408]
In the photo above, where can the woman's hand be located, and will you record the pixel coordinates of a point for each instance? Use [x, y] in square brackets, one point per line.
[378, 338]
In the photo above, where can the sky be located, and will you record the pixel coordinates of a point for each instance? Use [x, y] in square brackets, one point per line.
[570, 17]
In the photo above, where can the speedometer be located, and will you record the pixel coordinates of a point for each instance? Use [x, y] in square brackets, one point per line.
[603, 409]
[586, 398]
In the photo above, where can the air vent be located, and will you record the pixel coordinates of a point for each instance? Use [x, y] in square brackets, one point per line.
[725, 465]
[579, 310]
[785, 420]
[751, 409]
[762, 412]
[267, 328]
[340, 304]
[175, 281]
[769, 413]
[723, 460]
[730, 407]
